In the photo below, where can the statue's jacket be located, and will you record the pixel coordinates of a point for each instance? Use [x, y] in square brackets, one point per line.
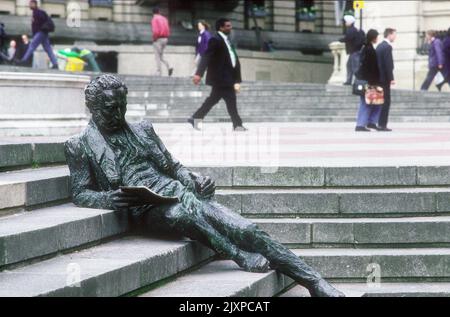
[94, 174]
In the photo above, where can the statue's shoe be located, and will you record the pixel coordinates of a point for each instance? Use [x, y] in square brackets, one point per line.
[324, 289]
[252, 262]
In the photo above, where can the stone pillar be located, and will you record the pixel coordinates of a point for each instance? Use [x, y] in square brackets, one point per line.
[128, 11]
[340, 61]
[284, 16]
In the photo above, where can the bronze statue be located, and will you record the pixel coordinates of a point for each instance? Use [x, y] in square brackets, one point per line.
[111, 153]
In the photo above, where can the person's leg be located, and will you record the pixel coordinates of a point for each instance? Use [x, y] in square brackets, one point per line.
[384, 115]
[163, 47]
[355, 57]
[92, 62]
[349, 71]
[196, 63]
[158, 54]
[48, 48]
[211, 101]
[229, 95]
[429, 79]
[35, 42]
[249, 237]
[374, 114]
[363, 113]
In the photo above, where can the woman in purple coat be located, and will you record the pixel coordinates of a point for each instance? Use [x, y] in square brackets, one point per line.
[435, 59]
[202, 43]
[446, 69]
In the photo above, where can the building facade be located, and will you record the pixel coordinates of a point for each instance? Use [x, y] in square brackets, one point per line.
[300, 31]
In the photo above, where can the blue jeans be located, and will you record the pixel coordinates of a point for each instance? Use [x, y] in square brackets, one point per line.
[352, 66]
[367, 114]
[38, 39]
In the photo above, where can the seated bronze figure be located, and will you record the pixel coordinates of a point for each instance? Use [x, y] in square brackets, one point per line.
[111, 153]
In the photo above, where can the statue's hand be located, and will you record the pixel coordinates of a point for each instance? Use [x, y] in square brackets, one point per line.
[122, 200]
[207, 187]
[204, 185]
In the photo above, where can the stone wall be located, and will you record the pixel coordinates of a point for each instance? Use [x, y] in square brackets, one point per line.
[282, 66]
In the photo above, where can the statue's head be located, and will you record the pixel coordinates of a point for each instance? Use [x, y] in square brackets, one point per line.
[106, 98]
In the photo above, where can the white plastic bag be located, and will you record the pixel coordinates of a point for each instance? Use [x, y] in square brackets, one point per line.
[439, 78]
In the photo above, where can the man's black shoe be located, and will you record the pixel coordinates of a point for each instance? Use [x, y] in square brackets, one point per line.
[55, 67]
[193, 122]
[382, 129]
[361, 129]
[240, 129]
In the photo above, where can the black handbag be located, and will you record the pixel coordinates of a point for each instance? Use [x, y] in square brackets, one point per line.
[359, 87]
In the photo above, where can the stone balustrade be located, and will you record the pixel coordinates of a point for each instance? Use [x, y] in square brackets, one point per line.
[339, 74]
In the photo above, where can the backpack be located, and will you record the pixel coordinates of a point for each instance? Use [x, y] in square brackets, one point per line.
[48, 26]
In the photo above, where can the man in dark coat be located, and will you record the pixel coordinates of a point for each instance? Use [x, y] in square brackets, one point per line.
[111, 153]
[224, 75]
[386, 68]
[40, 26]
[354, 40]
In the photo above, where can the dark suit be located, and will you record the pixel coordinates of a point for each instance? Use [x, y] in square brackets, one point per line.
[386, 68]
[221, 76]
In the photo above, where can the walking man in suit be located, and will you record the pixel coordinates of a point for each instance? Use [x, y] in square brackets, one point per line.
[386, 67]
[224, 75]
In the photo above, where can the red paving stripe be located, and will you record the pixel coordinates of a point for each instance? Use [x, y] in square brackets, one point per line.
[386, 139]
[367, 154]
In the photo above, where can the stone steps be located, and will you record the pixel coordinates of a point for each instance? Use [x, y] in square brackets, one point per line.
[382, 290]
[46, 231]
[111, 269]
[233, 282]
[408, 264]
[391, 202]
[33, 187]
[32, 153]
[248, 176]
[276, 102]
[361, 232]
[344, 265]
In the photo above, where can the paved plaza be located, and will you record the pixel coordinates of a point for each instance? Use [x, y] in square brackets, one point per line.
[298, 144]
[308, 144]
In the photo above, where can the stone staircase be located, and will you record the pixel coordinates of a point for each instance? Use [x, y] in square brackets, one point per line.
[164, 99]
[352, 224]
[173, 100]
